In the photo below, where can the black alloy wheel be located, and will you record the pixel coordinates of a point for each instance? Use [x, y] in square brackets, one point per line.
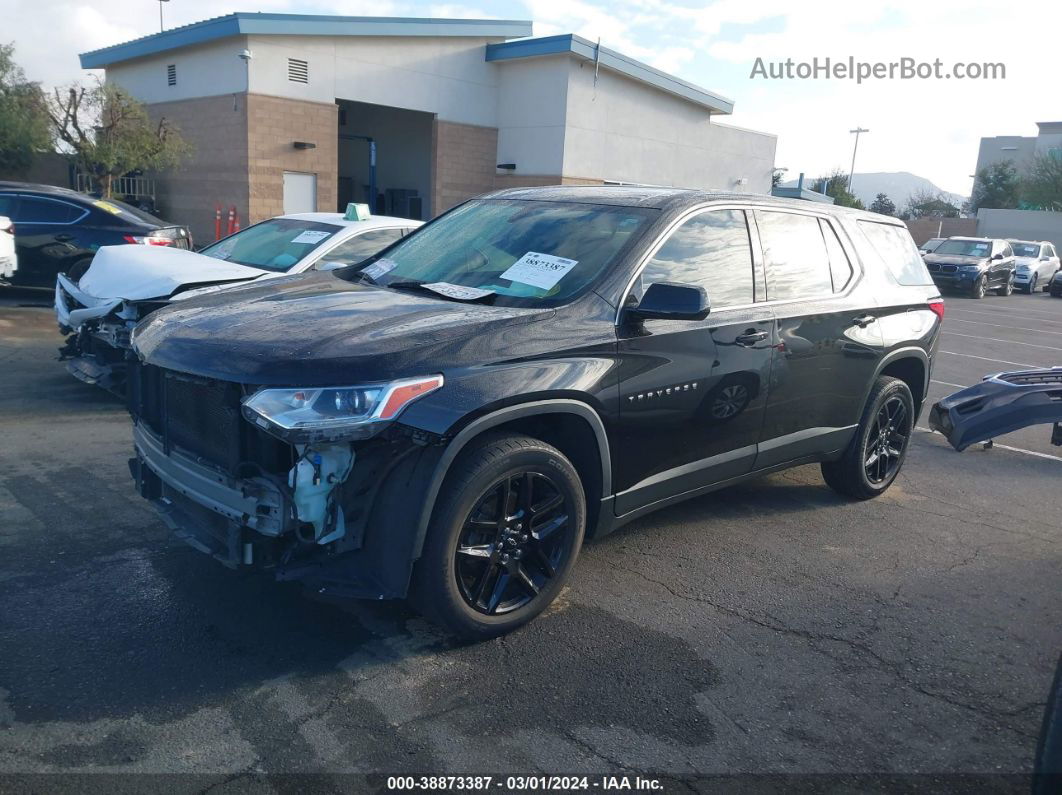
[505, 532]
[887, 441]
[1032, 284]
[1008, 286]
[513, 543]
[979, 287]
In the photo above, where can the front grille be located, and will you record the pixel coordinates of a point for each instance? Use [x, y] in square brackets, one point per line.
[949, 268]
[932, 266]
[202, 417]
[1053, 376]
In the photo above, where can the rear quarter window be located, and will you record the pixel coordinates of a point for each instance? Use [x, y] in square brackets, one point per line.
[893, 246]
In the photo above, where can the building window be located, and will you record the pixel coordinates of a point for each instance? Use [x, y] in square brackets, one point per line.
[298, 71]
[171, 74]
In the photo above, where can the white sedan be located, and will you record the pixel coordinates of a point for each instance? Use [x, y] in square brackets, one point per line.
[1036, 263]
[126, 283]
[8, 259]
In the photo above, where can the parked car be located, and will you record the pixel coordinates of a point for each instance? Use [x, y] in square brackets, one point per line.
[973, 265]
[930, 245]
[1036, 262]
[450, 419]
[124, 284]
[59, 230]
[1055, 287]
[8, 257]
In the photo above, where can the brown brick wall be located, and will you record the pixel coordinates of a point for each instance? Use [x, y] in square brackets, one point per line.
[215, 172]
[922, 229]
[463, 163]
[274, 125]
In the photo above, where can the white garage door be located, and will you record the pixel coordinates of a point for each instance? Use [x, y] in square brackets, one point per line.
[300, 192]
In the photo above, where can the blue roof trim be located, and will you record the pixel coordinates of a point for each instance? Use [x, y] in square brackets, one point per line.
[610, 59]
[243, 23]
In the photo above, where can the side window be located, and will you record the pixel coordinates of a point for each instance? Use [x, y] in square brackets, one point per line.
[8, 203]
[32, 210]
[840, 266]
[794, 253]
[893, 247]
[710, 250]
[359, 248]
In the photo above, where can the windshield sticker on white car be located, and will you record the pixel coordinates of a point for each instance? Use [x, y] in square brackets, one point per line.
[457, 291]
[539, 270]
[379, 268]
[310, 236]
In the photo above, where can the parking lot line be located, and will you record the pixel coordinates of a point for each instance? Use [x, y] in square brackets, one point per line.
[947, 383]
[997, 361]
[996, 325]
[1022, 450]
[1002, 312]
[1009, 342]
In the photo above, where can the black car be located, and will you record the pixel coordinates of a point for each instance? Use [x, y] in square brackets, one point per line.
[1055, 286]
[450, 419]
[973, 265]
[59, 230]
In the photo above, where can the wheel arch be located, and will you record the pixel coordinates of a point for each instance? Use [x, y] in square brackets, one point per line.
[573, 427]
[912, 366]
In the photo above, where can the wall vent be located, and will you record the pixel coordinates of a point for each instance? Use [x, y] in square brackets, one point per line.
[298, 71]
[171, 74]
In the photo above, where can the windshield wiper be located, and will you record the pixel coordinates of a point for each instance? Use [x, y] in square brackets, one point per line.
[413, 284]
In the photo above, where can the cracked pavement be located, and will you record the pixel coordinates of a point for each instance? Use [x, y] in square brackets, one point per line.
[771, 627]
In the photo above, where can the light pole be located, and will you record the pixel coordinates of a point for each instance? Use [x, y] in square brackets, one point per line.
[855, 148]
[160, 14]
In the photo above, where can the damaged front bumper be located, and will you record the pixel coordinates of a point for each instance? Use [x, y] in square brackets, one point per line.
[99, 329]
[1000, 404]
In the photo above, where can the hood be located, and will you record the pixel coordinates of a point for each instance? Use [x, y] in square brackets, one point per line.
[319, 330]
[953, 259]
[136, 273]
[1026, 262]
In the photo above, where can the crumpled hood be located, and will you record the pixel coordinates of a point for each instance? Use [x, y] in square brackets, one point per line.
[317, 329]
[136, 273]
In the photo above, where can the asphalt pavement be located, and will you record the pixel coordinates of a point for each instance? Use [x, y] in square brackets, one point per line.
[770, 628]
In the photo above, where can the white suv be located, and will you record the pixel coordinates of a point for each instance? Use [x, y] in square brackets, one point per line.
[8, 258]
[1036, 262]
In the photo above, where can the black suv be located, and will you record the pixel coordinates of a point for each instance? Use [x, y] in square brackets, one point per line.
[973, 265]
[451, 418]
[58, 230]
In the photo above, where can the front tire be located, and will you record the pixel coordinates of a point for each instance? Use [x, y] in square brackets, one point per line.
[1007, 288]
[503, 538]
[876, 453]
[979, 287]
[1032, 284]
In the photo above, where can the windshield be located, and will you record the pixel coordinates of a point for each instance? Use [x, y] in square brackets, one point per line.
[931, 245]
[1026, 249]
[522, 253]
[965, 248]
[273, 245]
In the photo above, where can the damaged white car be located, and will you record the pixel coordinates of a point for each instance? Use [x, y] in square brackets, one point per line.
[124, 284]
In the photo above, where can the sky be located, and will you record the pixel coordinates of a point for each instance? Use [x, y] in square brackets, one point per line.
[930, 127]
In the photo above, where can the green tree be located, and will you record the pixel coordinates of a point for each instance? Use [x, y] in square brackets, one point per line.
[926, 203]
[996, 187]
[1042, 186]
[835, 184]
[110, 133]
[24, 128]
[883, 205]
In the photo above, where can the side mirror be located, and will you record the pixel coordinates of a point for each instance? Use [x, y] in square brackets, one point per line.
[669, 301]
[997, 256]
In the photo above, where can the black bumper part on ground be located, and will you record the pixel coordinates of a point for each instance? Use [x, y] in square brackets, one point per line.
[1000, 404]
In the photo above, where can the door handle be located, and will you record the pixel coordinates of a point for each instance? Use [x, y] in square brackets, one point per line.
[64, 237]
[864, 320]
[750, 338]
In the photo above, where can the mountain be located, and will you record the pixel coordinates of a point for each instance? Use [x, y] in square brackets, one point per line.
[897, 185]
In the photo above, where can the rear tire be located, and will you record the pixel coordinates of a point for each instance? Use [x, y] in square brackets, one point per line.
[877, 451]
[503, 538]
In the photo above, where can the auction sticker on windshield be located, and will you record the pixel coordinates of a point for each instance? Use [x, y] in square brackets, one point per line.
[310, 236]
[458, 291]
[379, 268]
[539, 270]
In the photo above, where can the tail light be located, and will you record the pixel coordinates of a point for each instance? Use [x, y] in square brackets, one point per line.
[936, 306]
[149, 240]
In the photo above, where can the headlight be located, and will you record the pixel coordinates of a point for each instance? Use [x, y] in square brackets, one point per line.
[302, 416]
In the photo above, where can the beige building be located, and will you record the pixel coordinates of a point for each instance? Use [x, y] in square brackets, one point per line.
[291, 113]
